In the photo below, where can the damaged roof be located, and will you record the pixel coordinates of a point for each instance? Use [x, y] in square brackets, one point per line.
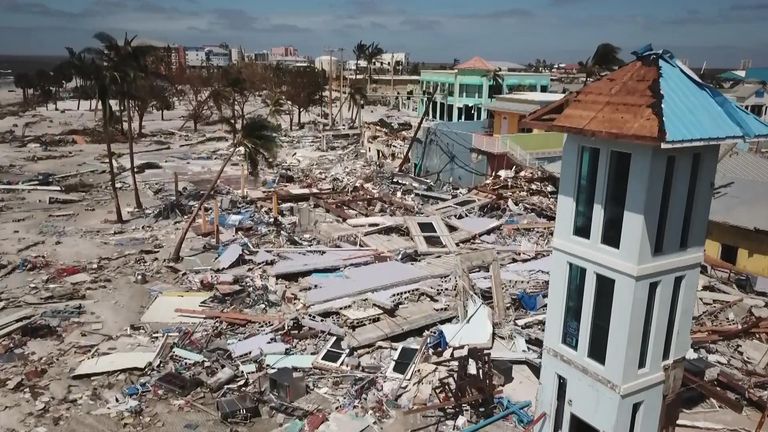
[654, 99]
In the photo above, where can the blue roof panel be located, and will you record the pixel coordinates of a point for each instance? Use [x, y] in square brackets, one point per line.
[694, 111]
[757, 74]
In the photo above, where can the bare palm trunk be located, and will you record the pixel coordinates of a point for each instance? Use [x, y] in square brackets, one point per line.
[113, 186]
[136, 195]
[176, 256]
[121, 102]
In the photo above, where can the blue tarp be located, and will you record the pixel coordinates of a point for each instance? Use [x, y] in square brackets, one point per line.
[531, 302]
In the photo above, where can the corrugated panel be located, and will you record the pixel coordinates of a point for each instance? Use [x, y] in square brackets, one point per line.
[744, 165]
[690, 111]
[619, 105]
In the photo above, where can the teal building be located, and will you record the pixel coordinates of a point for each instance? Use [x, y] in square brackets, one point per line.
[461, 92]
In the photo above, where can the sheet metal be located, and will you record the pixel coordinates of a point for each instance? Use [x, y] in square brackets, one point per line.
[312, 260]
[691, 111]
[359, 280]
[162, 310]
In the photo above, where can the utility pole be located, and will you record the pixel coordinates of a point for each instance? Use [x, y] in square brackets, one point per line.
[341, 82]
[330, 87]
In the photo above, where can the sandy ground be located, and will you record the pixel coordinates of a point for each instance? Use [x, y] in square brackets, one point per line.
[84, 234]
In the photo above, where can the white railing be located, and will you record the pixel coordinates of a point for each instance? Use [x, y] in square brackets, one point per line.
[498, 145]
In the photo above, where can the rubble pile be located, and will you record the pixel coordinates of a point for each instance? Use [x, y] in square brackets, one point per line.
[336, 293]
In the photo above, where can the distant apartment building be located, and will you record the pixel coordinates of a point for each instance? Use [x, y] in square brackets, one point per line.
[287, 56]
[397, 60]
[237, 55]
[208, 55]
[284, 51]
[175, 56]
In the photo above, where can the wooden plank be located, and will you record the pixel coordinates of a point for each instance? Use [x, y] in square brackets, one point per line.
[713, 392]
[231, 316]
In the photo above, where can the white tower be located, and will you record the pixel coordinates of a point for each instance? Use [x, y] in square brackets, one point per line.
[635, 190]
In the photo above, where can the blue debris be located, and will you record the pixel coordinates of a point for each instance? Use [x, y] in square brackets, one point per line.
[438, 340]
[531, 302]
[136, 389]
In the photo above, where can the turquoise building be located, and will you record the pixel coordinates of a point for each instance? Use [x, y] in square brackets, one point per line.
[461, 92]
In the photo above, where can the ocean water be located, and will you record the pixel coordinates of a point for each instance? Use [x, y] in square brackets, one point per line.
[11, 64]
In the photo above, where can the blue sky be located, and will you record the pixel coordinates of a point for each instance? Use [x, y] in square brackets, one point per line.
[719, 31]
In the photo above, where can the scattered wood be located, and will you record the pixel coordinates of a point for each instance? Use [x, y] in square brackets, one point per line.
[29, 246]
[31, 187]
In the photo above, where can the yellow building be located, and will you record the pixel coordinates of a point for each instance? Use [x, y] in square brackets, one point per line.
[508, 110]
[738, 219]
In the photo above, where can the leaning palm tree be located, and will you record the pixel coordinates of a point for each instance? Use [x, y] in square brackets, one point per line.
[259, 143]
[359, 51]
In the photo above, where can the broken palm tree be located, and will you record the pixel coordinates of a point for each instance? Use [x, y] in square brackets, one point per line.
[258, 142]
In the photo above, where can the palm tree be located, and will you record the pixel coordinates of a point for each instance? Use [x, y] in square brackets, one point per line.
[276, 106]
[372, 52]
[259, 143]
[126, 63]
[605, 58]
[80, 68]
[360, 50]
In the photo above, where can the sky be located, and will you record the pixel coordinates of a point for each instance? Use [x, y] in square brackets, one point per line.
[720, 32]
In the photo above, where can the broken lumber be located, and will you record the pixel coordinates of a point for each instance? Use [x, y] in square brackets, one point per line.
[31, 187]
[234, 317]
[712, 392]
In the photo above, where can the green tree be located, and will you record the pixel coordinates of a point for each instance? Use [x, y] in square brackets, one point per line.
[258, 142]
[303, 89]
[25, 82]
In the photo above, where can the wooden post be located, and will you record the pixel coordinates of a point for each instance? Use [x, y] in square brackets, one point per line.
[216, 220]
[242, 180]
[203, 220]
[176, 185]
[762, 421]
[497, 289]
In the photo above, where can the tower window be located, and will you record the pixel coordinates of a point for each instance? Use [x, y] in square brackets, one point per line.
[672, 318]
[633, 418]
[685, 231]
[601, 319]
[562, 389]
[615, 197]
[650, 303]
[661, 224]
[585, 191]
[574, 299]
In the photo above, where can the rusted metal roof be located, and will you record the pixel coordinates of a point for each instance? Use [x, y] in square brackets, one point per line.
[625, 104]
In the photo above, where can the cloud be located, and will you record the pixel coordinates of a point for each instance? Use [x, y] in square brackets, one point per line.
[233, 19]
[421, 24]
[33, 8]
[502, 14]
[749, 7]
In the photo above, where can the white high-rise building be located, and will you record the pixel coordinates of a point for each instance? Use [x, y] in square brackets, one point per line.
[635, 189]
